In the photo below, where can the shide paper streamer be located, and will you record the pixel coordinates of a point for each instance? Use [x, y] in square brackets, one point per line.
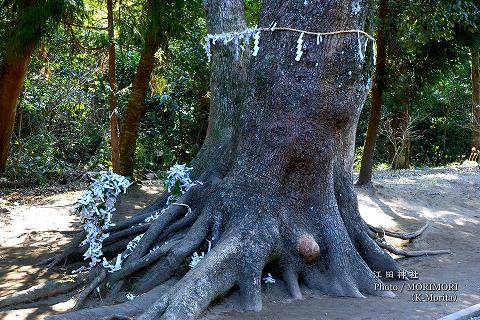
[241, 39]
[97, 204]
[96, 207]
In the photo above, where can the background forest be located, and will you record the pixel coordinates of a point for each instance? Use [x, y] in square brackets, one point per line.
[84, 85]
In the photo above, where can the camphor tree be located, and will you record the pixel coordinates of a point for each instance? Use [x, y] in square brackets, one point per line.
[275, 172]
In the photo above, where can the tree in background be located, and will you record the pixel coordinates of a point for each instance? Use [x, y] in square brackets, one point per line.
[475, 144]
[73, 95]
[423, 45]
[366, 168]
[135, 108]
[112, 95]
[445, 31]
[164, 20]
[28, 22]
[471, 37]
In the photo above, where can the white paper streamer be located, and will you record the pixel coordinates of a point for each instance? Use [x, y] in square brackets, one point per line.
[256, 43]
[299, 47]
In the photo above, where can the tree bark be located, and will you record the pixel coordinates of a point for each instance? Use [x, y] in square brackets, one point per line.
[20, 143]
[475, 142]
[135, 106]
[228, 82]
[366, 168]
[12, 75]
[112, 96]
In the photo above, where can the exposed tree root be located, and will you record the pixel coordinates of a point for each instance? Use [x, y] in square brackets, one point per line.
[50, 288]
[172, 213]
[400, 235]
[85, 292]
[181, 224]
[199, 287]
[369, 239]
[143, 262]
[291, 280]
[377, 259]
[120, 311]
[378, 234]
[311, 248]
[400, 252]
[163, 269]
[122, 227]
[133, 230]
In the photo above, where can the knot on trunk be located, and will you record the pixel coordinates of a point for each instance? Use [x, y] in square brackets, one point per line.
[308, 248]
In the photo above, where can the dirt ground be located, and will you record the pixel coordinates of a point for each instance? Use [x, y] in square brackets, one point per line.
[401, 201]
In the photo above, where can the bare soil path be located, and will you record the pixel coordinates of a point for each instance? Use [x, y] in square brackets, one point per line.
[401, 201]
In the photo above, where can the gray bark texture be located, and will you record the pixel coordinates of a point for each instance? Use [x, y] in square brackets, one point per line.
[228, 84]
[276, 171]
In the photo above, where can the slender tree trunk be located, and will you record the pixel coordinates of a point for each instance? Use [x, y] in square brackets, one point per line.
[12, 74]
[365, 176]
[475, 142]
[112, 96]
[135, 106]
[446, 123]
[400, 155]
[20, 143]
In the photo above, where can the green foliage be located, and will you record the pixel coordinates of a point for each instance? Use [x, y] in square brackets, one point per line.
[174, 142]
[66, 98]
[39, 159]
[28, 21]
[358, 158]
[441, 112]
[174, 17]
[445, 130]
[181, 84]
[428, 74]
[63, 100]
[252, 11]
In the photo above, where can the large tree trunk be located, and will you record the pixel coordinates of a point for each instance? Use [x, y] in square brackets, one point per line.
[112, 95]
[280, 189]
[12, 74]
[475, 143]
[365, 176]
[136, 106]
